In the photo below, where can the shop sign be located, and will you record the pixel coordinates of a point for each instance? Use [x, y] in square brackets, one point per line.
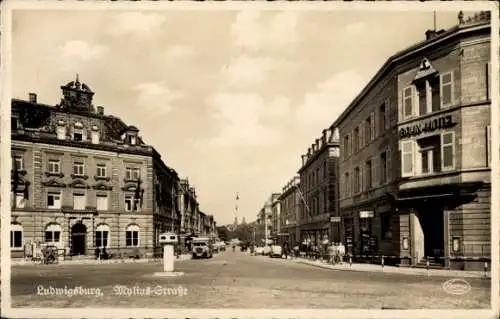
[431, 125]
[366, 214]
[335, 219]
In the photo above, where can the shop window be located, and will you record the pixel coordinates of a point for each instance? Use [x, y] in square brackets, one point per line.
[386, 225]
[446, 89]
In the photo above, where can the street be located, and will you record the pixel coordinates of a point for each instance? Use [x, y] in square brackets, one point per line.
[237, 280]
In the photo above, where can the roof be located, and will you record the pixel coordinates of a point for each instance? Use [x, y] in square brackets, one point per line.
[405, 54]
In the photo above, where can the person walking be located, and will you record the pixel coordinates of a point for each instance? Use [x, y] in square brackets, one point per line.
[341, 252]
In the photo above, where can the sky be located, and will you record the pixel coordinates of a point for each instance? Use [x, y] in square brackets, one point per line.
[230, 99]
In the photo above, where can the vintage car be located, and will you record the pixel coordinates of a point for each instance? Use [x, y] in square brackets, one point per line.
[202, 247]
[276, 251]
[267, 250]
[259, 250]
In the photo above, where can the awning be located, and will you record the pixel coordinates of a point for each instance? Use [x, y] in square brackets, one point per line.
[423, 197]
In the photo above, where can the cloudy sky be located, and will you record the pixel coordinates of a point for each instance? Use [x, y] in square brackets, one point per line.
[231, 99]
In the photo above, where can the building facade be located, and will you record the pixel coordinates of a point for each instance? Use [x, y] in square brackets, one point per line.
[290, 211]
[275, 217]
[429, 196]
[318, 190]
[83, 180]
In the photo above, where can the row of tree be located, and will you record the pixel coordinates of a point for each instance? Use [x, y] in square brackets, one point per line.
[243, 232]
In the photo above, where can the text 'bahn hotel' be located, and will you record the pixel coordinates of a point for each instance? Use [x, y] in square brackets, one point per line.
[415, 152]
[82, 179]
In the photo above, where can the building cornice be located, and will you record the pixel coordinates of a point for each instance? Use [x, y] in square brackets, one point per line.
[452, 34]
[317, 154]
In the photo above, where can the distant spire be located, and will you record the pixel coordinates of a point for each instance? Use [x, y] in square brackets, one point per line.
[77, 82]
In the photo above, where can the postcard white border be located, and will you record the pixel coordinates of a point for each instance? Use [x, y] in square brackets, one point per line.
[5, 92]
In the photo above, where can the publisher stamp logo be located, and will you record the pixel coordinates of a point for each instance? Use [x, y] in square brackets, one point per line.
[457, 287]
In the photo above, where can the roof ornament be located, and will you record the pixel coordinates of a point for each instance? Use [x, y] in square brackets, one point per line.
[461, 17]
[77, 82]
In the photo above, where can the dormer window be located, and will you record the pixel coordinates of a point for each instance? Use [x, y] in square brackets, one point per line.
[95, 135]
[61, 130]
[133, 140]
[78, 132]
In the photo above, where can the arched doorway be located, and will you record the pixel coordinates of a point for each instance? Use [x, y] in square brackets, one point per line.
[78, 239]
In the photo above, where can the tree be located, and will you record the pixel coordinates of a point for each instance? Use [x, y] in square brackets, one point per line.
[244, 232]
[223, 233]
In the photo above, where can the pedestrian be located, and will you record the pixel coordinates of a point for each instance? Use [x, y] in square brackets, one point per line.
[335, 253]
[341, 252]
[285, 250]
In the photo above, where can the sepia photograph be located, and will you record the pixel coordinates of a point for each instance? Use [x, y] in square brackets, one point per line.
[222, 156]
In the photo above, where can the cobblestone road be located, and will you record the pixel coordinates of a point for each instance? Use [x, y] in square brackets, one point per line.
[235, 280]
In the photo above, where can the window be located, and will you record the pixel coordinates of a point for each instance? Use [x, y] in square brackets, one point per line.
[407, 102]
[346, 185]
[129, 203]
[95, 137]
[407, 158]
[383, 168]
[368, 130]
[79, 202]
[78, 168]
[132, 173]
[132, 236]
[18, 163]
[448, 151]
[357, 180]
[346, 146]
[20, 200]
[386, 225]
[382, 119]
[429, 154]
[368, 174]
[16, 236]
[54, 200]
[133, 140]
[102, 202]
[61, 132]
[78, 135]
[488, 145]
[446, 89]
[102, 236]
[54, 166]
[101, 170]
[356, 140]
[53, 234]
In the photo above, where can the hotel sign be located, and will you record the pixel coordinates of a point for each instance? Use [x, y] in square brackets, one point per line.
[428, 126]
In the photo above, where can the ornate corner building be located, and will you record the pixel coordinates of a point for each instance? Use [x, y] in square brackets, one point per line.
[83, 180]
[415, 174]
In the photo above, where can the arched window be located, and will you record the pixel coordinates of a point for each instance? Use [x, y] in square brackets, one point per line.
[102, 236]
[53, 234]
[132, 236]
[16, 236]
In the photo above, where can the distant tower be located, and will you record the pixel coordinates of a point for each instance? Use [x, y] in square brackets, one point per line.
[243, 220]
[235, 224]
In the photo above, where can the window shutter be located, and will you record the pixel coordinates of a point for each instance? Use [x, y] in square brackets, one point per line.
[488, 145]
[361, 178]
[389, 165]
[361, 136]
[400, 105]
[488, 80]
[372, 125]
[387, 114]
[353, 179]
[374, 171]
[415, 100]
[351, 147]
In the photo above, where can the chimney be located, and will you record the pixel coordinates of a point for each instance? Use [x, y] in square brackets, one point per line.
[32, 97]
[335, 135]
[318, 145]
[309, 152]
[429, 34]
[324, 137]
[304, 159]
[100, 110]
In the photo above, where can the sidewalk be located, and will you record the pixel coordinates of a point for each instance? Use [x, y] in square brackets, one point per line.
[23, 262]
[394, 269]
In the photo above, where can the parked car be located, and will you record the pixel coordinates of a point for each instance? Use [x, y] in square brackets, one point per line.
[267, 250]
[202, 247]
[276, 251]
[259, 250]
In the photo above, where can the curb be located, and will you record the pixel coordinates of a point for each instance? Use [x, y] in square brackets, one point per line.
[101, 262]
[465, 275]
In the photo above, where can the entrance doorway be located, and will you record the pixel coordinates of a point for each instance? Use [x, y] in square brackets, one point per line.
[432, 223]
[78, 236]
